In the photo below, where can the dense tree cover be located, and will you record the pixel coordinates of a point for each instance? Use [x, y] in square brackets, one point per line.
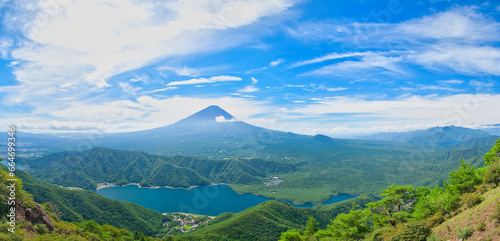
[20, 194]
[341, 167]
[268, 220]
[80, 205]
[88, 230]
[494, 154]
[101, 165]
[406, 213]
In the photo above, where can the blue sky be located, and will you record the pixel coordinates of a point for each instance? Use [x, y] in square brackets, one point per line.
[339, 68]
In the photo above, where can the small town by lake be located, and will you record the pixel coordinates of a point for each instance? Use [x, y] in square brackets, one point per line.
[207, 200]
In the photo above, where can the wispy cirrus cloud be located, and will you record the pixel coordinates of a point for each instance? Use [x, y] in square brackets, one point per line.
[211, 80]
[422, 87]
[464, 59]
[372, 63]
[120, 36]
[327, 57]
[460, 40]
[249, 89]
[451, 82]
[276, 62]
[161, 90]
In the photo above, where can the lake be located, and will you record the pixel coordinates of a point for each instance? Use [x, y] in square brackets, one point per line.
[207, 200]
[18, 166]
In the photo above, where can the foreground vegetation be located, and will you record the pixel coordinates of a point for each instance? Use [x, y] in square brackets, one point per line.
[81, 206]
[47, 225]
[408, 213]
[267, 220]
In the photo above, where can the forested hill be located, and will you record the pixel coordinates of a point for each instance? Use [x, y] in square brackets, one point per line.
[86, 169]
[467, 207]
[266, 221]
[81, 205]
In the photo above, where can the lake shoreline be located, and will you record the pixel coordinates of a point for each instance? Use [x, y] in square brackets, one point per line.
[215, 184]
[153, 187]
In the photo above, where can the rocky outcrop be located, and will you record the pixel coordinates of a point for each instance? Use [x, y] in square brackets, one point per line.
[43, 217]
[33, 216]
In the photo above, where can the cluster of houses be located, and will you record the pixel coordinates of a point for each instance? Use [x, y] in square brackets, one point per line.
[187, 223]
[274, 181]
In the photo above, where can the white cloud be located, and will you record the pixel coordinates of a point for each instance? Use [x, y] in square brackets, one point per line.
[375, 63]
[222, 119]
[315, 87]
[128, 88]
[459, 24]
[143, 113]
[86, 42]
[357, 115]
[161, 90]
[451, 82]
[327, 57]
[465, 59]
[214, 79]
[249, 89]
[479, 84]
[402, 114]
[421, 87]
[276, 62]
[337, 89]
[138, 79]
[254, 80]
[294, 86]
[461, 40]
[182, 71]
[5, 45]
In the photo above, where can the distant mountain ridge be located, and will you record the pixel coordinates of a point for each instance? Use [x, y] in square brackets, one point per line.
[85, 169]
[433, 136]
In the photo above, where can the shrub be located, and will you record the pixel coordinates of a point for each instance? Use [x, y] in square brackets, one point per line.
[433, 237]
[492, 175]
[481, 226]
[496, 215]
[417, 231]
[470, 199]
[41, 228]
[465, 233]
[481, 189]
[435, 220]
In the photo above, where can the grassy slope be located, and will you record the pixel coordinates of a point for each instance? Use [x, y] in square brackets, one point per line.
[267, 220]
[79, 205]
[470, 219]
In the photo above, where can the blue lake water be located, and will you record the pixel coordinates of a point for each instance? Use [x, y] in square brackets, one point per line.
[18, 166]
[207, 200]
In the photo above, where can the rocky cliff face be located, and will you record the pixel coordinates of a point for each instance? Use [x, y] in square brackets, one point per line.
[33, 216]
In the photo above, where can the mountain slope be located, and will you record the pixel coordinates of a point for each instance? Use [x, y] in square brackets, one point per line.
[101, 165]
[432, 136]
[79, 206]
[266, 221]
[36, 221]
[472, 219]
[446, 135]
